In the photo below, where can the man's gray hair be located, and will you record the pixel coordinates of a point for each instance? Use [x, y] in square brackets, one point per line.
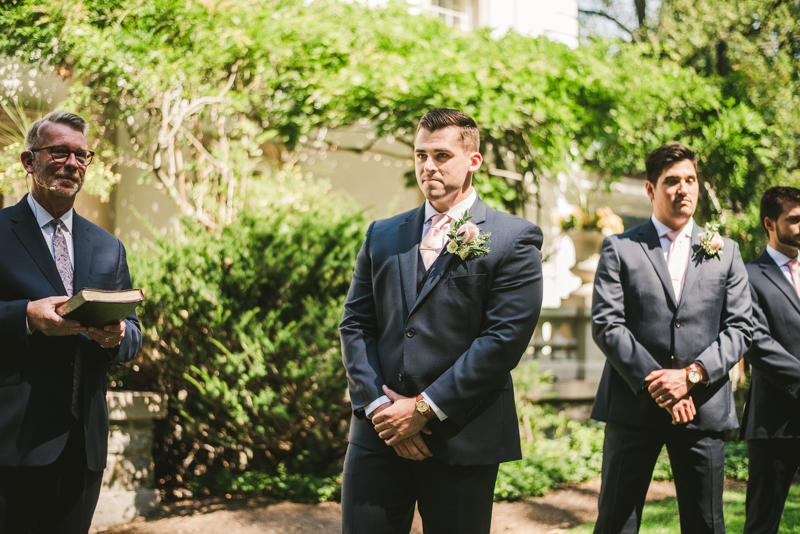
[33, 139]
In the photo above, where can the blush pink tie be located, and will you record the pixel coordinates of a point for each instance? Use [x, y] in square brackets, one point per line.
[676, 261]
[794, 266]
[433, 241]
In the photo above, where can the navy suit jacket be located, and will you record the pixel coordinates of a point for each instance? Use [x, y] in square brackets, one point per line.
[772, 409]
[457, 339]
[36, 371]
[640, 327]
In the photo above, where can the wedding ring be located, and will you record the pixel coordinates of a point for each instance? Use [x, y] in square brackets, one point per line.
[109, 339]
[659, 399]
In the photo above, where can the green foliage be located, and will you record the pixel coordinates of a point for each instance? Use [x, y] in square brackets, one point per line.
[284, 485]
[281, 73]
[555, 448]
[240, 331]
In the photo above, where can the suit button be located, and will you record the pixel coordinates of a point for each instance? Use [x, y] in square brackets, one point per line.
[411, 332]
[672, 357]
[678, 323]
[400, 377]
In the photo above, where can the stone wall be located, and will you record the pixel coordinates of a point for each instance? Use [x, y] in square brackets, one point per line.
[128, 481]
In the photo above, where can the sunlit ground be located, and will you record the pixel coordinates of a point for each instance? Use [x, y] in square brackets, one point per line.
[662, 517]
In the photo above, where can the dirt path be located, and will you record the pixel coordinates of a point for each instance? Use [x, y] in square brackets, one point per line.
[557, 511]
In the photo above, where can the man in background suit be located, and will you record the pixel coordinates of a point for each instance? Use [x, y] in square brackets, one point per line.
[428, 341]
[53, 414]
[771, 423]
[672, 319]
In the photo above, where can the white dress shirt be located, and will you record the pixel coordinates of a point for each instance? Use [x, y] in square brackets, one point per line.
[43, 219]
[663, 230]
[456, 212]
[781, 259]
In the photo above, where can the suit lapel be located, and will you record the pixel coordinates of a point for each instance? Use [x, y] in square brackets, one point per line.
[30, 235]
[439, 267]
[648, 238]
[82, 248]
[409, 236]
[695, 262]
[776, 276]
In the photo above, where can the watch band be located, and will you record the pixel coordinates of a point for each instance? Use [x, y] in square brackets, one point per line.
[424, 408]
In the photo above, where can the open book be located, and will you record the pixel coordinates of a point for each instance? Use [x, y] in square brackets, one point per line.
[99, 308]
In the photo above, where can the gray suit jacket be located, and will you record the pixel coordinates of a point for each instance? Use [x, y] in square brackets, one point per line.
[640, 328]
[457, 339]
[772, 410]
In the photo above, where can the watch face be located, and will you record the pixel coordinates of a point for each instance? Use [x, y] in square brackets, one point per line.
[694, 376]
[422, 407]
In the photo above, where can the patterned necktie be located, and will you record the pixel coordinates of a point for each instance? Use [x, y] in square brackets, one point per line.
[676, 261]
[61, 255]
[64, 266]
[434, 240]
[794, 266]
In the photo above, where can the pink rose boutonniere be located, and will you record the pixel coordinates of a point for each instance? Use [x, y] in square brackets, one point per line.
[711, 242]
[466, 239]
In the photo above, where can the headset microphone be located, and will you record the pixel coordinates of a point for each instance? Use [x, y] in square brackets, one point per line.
[42, 184]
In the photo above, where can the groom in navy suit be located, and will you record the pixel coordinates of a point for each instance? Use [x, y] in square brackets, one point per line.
[53, 414]
[429, 338]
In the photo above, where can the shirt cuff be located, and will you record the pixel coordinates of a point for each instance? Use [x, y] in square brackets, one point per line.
[372, 406]
[439, 413]
[28, 329]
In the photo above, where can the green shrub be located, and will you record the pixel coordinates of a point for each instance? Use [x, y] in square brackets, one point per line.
[240, 331]
[555, 448]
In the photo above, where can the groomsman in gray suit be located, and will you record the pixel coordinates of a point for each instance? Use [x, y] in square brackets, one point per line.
[672, 317]
[771, 423]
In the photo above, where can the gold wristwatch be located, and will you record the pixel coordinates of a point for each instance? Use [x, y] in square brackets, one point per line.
[693, 375]
[424, 408]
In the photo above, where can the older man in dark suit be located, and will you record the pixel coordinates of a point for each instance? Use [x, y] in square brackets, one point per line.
[771, 423]
[672, 317]
[53, 414]
[430, 333]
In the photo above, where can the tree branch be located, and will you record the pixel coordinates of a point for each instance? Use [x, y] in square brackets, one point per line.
[612, 19]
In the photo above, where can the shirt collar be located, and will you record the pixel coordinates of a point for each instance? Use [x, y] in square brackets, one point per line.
[663, 229]
[779, 257]
[457, 211]
[43, 218]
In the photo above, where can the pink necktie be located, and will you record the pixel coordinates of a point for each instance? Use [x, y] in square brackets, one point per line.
[794, 266]
[676, 261]
[432, 242]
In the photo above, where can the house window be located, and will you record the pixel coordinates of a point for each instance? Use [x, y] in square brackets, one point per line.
[456, 13]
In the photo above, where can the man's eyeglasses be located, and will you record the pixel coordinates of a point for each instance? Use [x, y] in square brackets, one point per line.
[61, 154]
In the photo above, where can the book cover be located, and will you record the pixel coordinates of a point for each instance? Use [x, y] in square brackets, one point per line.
[99, 308]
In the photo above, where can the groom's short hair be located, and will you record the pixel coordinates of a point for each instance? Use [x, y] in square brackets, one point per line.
[666, 156]
[439, 118]
[777, 200]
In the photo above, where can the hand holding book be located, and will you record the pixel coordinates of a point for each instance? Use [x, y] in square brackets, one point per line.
[99, 308]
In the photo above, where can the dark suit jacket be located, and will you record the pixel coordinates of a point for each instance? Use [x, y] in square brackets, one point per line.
[36, 371]
[772, 409]
[457, 340]
[639, 327]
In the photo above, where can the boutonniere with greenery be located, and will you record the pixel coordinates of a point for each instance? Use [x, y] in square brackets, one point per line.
[711, 242]
[466, 239]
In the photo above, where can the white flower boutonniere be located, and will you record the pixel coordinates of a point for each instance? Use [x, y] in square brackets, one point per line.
[711, 242]
[466, 239]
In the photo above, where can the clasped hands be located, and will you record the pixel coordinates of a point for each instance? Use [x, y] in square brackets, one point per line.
[400, 425]
[42, 316]
[670, 389]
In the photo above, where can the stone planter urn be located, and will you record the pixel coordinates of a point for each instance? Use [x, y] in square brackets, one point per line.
[587, 243]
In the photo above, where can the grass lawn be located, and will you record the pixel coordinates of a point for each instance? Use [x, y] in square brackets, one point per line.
[662, 517]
